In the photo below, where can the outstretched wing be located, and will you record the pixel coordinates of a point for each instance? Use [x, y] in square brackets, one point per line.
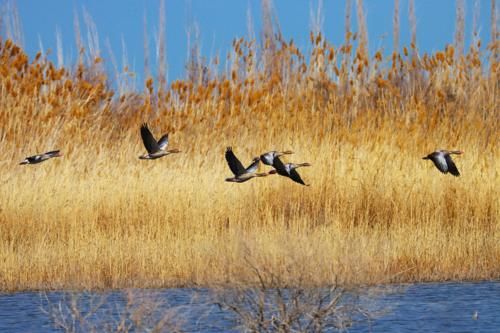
[452, 168]
[52, 153]
[440, 162]
[253, 166]
[267, 158]
[294, 175]
[280, 167]
[149, 140]
[233, 162]
[163, 142]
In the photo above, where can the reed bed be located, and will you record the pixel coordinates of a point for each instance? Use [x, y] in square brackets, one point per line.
[375, 212]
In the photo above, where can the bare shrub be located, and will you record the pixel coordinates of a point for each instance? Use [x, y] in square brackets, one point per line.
[89, 312]
[273, 305]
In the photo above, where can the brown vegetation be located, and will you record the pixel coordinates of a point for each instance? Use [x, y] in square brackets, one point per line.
[375, 212]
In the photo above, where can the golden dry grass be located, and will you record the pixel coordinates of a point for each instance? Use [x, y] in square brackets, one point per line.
[375, 211]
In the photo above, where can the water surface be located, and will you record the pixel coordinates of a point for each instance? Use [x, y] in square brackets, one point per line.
[430, 307]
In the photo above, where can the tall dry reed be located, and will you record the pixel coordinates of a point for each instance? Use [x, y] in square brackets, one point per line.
[395, 27]
[375, 211]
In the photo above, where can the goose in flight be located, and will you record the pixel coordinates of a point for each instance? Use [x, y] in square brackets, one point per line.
[289, 170]
[268, 158]
[155, 149]
[442, 160]
[41, 157]
[242, 174]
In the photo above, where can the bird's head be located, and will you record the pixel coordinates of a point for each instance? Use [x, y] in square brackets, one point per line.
[286, 152]
[262, 174]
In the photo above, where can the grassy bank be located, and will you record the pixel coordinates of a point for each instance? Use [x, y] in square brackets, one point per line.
[99, 217]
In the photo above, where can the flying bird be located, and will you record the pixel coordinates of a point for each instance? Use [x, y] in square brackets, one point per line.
[289, 170]
[268, 158]
[242, 174]
[443, 161]
[41, 157]
[155, 149]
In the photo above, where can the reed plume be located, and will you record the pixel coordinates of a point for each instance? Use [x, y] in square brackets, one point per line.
[100, 218]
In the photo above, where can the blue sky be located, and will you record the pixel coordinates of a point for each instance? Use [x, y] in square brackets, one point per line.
[220, 21]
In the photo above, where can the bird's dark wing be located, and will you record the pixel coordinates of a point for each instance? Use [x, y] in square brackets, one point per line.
[452, 168]
[253, 166]
[52, 153]
[233, 162]
[294, 175]
[163, 142]
[440, 162]
[267, 158]
[149, 140]
[280, 167]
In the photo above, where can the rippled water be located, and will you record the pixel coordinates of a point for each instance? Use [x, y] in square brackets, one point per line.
[432, 307]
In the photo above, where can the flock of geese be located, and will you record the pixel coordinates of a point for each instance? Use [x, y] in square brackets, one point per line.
[158, 148]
